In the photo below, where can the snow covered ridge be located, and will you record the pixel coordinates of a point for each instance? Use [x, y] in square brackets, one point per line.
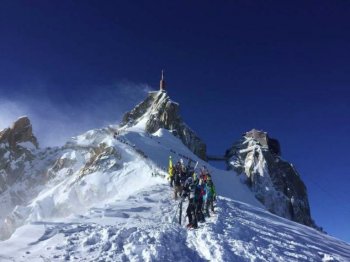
[88, 170]
[103, 197]
[118, 211]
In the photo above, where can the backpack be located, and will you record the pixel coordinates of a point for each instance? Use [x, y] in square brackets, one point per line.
[197, 193]
[192, 189]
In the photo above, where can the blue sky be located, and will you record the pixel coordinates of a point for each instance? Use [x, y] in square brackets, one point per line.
[233, 66]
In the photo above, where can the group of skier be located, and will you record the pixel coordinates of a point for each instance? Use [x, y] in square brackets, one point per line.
[196, 186]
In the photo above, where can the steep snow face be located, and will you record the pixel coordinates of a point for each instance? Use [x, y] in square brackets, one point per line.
[275, 182]
[158, 111]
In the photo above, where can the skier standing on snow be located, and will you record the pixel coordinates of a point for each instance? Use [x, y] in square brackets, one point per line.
[210, 195]
[183, 172]
[171, 170]
[200, 192]
[178, 180]
[190, 192]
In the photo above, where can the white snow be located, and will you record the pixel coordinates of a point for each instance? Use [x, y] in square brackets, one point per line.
[140, 228]
[6, 155]
[28, 145]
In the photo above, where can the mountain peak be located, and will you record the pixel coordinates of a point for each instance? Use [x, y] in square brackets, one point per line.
[274, 181]
[159, 111]
[263, 138]
[20, 132]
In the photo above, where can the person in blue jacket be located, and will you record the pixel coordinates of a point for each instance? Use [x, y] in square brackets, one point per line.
[210, 196]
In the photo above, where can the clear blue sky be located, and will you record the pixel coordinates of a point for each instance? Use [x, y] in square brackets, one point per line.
[233, 66]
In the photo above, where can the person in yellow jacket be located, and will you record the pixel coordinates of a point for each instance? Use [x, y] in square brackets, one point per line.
[171, 172]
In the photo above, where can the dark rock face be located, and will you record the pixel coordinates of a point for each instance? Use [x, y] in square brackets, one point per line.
[160, 112]
[275, 182]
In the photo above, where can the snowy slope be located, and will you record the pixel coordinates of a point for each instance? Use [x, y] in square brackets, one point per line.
[140, 228]
[100, 167]
[126, 214]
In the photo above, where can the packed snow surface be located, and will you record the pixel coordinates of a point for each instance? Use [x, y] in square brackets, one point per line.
[124, 211]
[140, 228]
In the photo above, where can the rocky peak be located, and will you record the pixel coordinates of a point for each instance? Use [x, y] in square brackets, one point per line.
[262, 137]
[274, 181]
[15, 152]
[159, 111]
[20, 131]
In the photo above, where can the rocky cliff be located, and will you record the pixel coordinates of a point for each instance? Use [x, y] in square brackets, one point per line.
[158, 111]
[20, 132]
[275, 181]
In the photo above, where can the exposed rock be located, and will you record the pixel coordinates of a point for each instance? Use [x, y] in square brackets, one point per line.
[265, 141]
[101, 157]
[158, 111]
[21, 131]
[275, 182]
[15, 154]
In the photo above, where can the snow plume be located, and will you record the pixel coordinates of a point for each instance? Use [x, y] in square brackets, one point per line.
[56, 121]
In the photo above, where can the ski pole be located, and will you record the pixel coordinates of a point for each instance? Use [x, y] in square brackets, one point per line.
[180, 215]
[178, 206]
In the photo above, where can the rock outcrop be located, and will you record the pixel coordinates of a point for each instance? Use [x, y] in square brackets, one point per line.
[20, 132]
[275, 181]
[158, 111]
[101, 157]
[16, 151]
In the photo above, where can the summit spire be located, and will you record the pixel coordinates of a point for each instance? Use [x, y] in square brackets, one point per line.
[162, 84]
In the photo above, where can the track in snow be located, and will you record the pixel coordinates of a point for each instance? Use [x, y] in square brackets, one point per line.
[140, 229]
